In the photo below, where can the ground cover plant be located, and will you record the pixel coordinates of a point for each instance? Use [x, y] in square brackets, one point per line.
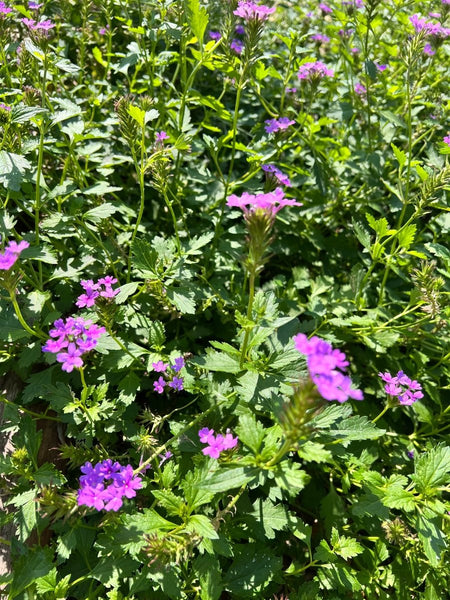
[224, 299]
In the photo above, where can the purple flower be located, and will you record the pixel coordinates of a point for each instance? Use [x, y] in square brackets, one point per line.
[11, 253]
[410, 453]
[92, 490]
[278, 175]
[161, 136]
[360, 89]
[325, 365]
[77, 336]
[430, 28]
[446, 140]
[178, 364]
[103, 288]
[406, 390]
[5, 107]
[291, 90]
[215, 35]
[216, 444]
[164, 457]
[320, 37]
[42, 25]
[237, 46]
[274, 125]
[314, 70]
[176, 384]
[325, 8]
[382, 68]
[428, 50]
[4, 10]
[355, 50]
[270, 203]
[160, 366]
[251, 11]
[34, 5]
[159, 385]
[103, 30]
[239, 29]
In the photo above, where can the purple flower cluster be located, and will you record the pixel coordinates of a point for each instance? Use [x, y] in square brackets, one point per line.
[277, 174]
[271, 202]
[101, 289]
[42, 25]
[5, 107]
[314, 70]
[430, 27]
[4, 10]
[360, 89]
[251, 11]
[320, 37]
[72, 338]
[326, 366]
[401, 386]
[216, 443]
[215, 35]
[11, 253]
[428, 50]
[237, 45]
[105, 485]
[172, 381]
[325, 8]
[274, 125]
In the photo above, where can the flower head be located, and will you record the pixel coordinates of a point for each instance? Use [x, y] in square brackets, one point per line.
[274, 125]
[406, 390]
[446, 140]
[270, 203]
[326, 367]
[216, 444]
[161, 136]
[325, 8]
[237, 46]
[101, 289]
[251, 11]
[278, 175]
[11, 253]
[4, 10]
[215, 35]
[314, 70]
[320, 37]
[360, 89]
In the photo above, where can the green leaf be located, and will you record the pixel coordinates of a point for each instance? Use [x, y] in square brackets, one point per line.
[174, 505]
[355, 428]
[290, 477]
[100, 212]
[10, 328]
[100, 189]
[126, 291]
[252, 569]
[217, 361]
[28, 568]
[210, 576]
[194, 245]
[183, 299]
[12, 170]
[22, 114]
[431, 469]
[226, 479]
[250, 432]
[330, 415]
[272, 517]
[345, 547]
[197, 18]
[137, 114]
[45, 254]
[406, 236]
[313, 452]
[380, 226]
[202, 526]
[432, 538]
[34, 50]
[97, 54]
[399, 155]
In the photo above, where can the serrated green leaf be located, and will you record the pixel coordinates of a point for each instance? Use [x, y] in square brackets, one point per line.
[210, 577]
[137, 114]
[197, 18]
[183, 299]
[250, 432]
[174, 505]
[202, 526]
[406, 236]
[252, 569]
[380, 226]
[432, 538]
[12, 170]
[28, 568]
[229, 479]
[399, 155]
[345, 547]
[100, 212]
[126, 291]
[217, 361]
[432, 468]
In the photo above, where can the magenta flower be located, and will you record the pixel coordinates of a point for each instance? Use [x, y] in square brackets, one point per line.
[406, 390]
[360, 89]
[237, 46]
[94, 494]
[178, 364]
[160, 366]
[34, 5]
[176, 384]
[320, 37]
[251, 11]
[325, 366]
[325, 8]
[428, 50]
[446, 140]
[4, 10]
[11, 253]
[314, 70]
[271, 202]
[215, 35]
[159, 385]
[77, 336]
[382, 68]
[278, 175]
[161, 136]
[435, 29]
[5, 107]
[216, 444]
[103, 288]
[274, 125]
[34, 26]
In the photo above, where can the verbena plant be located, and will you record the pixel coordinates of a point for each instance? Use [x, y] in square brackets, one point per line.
[224, 299]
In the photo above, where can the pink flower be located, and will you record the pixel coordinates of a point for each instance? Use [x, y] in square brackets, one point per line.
[271, 202]
[250, 10]
[446, 140]
[360, 89]
[325, 8]
[314, 70]
[274, 125]
[428, 50]
[11, 254]
[161, 136]
[159, 385]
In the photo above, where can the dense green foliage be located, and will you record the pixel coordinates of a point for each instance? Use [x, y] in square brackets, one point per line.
[318, 499]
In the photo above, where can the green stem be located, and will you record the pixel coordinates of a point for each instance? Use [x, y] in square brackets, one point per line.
[140, 171]
[251, 296]
[29, 412]
[36, 333]
[385, 409]
[123, 347]
[174, 220]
